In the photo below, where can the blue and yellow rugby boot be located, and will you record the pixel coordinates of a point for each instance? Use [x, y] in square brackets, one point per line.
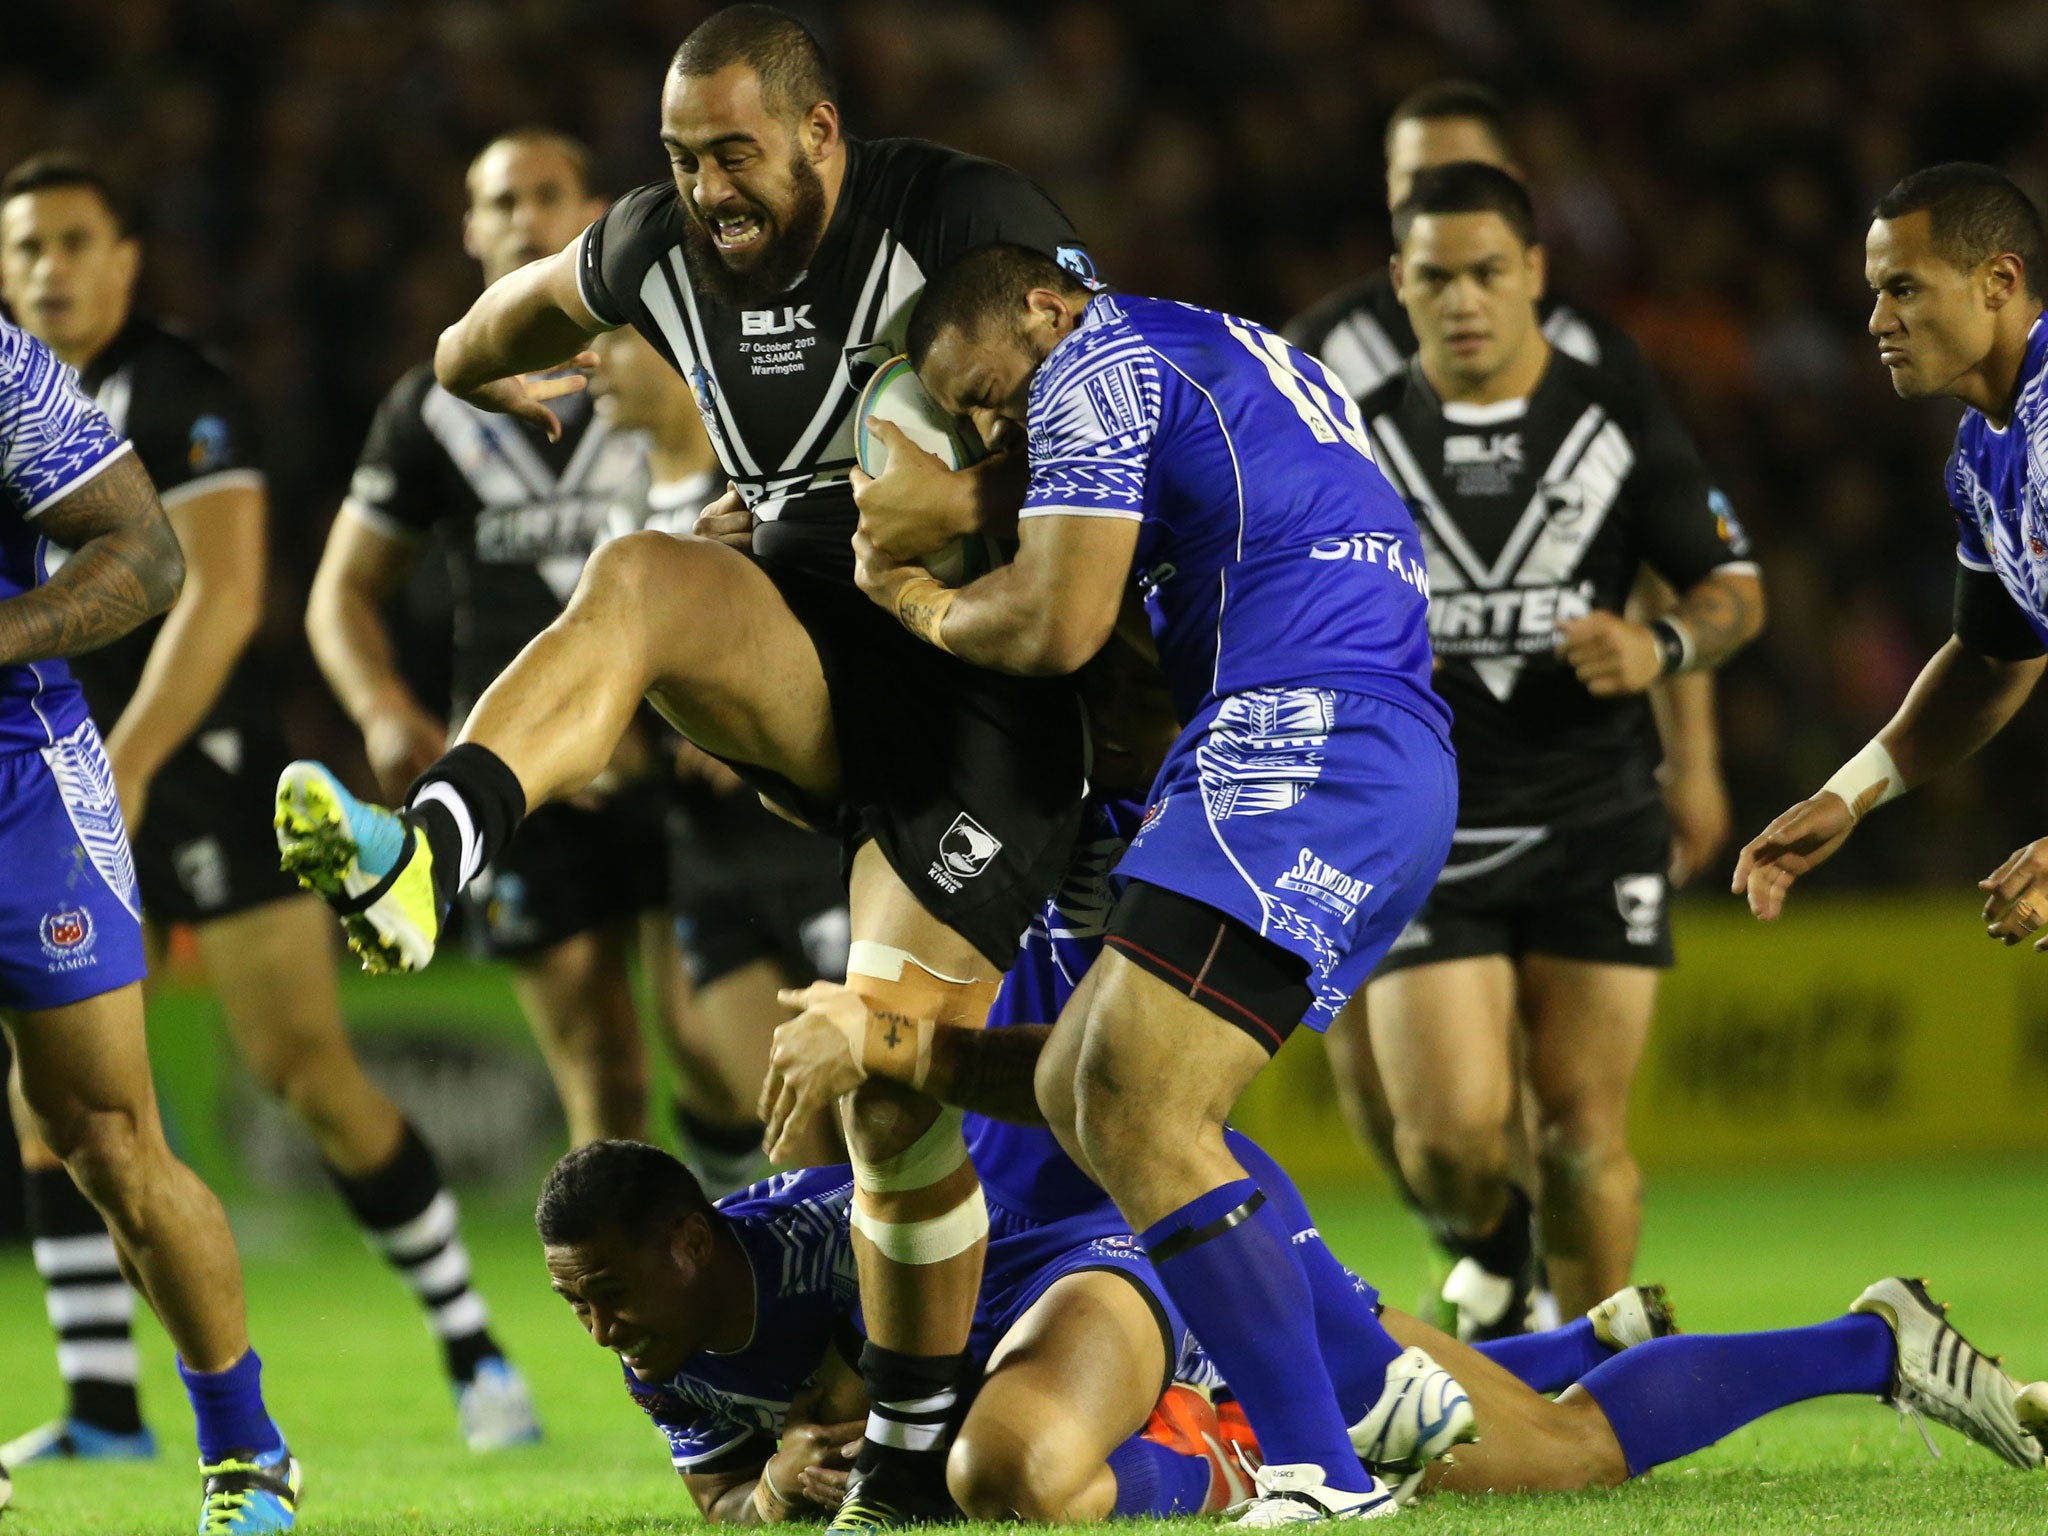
[373, 866]
[247, 1493]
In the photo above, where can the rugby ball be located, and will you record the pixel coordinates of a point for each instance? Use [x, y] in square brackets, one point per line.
[894, 395]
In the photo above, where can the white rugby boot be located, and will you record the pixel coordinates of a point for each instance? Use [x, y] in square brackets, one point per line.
[1421, 1413]
[1296, 1494]
[1937, 1372]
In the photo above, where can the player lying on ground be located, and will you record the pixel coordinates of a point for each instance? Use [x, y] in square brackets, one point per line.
[1662, 1400]
[71, 964]
[1957, 259]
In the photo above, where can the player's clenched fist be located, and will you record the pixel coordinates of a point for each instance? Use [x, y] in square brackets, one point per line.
[2016, 900]
[1804, 838]
[1611, 654]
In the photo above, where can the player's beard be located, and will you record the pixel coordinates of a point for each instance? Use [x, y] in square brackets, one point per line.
[790, 237]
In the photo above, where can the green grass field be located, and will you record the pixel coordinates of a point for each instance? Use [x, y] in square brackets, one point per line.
[352, 1374]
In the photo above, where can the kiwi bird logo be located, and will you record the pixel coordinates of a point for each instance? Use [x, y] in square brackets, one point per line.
[968, 846]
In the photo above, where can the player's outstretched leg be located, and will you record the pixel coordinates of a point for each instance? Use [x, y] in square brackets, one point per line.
[85, 1077]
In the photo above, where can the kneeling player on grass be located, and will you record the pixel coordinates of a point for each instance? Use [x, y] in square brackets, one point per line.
[1398, 1381]
[737, 1328]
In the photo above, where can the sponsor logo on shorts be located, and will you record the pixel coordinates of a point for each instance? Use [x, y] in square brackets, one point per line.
[1640, 900]
[68, 938]
[1121, 1246]
[964, 852]
[1326, 885]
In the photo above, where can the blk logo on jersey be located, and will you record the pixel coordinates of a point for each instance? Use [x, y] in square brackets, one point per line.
[67, 936]
[964, 852]
[775, 322]
[1483, 464]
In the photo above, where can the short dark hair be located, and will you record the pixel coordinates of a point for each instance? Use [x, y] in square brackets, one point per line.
[57, 170]
[984, 281]
[571, 148]
[1460, 99]
[1977, 213]
[1467, 186]
[628, 1185]
[773, 44]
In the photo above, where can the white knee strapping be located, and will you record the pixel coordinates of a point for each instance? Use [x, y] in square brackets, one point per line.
[930, 1158]
[885, 962]
[927, 1242]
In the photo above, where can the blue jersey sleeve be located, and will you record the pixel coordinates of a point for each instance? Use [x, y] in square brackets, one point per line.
[1095, 413]
[52, 437]
[701, 1438]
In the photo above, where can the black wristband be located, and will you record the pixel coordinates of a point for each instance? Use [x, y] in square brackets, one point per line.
[1672, 644]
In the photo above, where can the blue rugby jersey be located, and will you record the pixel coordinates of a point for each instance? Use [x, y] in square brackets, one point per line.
[719, 1409]
[1998, 484]
[52, 440]
[1272, 552]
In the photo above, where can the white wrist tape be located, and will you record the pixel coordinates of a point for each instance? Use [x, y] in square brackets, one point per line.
[930, 1158]
[1867, 780]
[926, 1242]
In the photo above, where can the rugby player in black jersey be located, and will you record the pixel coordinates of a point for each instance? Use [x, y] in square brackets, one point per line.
[773, 267]
[191, 738]
[1363, 333]
[1541, 487]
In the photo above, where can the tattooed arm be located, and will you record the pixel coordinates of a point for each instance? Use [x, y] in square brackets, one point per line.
[125, 567]
[1717, 616]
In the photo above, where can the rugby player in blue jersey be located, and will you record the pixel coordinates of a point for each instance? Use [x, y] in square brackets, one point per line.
[1956, 257]
[71, 960]
[1301, 816]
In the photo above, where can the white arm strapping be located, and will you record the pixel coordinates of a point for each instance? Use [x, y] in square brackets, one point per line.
[1858, 780]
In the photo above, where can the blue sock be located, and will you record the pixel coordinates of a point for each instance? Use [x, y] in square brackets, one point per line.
[1154, 1480]
[1673, 1396]
[229, 1407]
[1551, 1360]
[1233, 1274]
[1357, 1349]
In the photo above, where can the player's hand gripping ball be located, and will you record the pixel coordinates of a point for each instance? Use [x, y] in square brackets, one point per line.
[906, 446]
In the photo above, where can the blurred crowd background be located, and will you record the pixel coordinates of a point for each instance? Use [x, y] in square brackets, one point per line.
[1704, 170]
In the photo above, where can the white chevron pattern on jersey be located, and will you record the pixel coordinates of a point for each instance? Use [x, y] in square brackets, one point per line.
[85, 782]
[52, 437]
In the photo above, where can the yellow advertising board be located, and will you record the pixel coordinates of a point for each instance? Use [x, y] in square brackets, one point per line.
[1852, 1029]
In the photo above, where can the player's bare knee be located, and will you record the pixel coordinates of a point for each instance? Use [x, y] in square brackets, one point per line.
[1450, 1163]
[113, 1160]
[995, 1472]
[884, 1119]
[1581, 1133]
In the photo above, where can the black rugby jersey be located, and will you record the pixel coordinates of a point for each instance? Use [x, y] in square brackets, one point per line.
[777, 385]
[522, 513]
[1363, 334]
[1533, 512]
[193, 431]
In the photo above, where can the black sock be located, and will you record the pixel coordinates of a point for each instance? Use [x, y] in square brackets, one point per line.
[468, 804]
[1509, 1250]
[913, 1410]
[90, 1305]
[409, 1216]
[724, 1158]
